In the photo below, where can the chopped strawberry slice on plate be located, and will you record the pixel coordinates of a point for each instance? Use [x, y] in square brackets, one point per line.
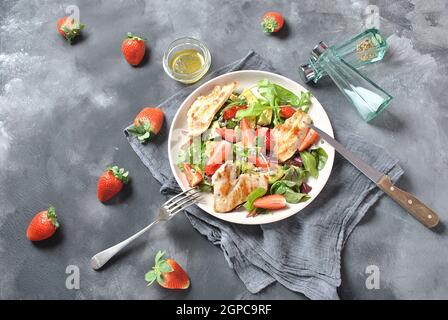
[271, 202]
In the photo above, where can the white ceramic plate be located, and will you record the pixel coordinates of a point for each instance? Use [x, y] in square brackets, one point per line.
[246, 79]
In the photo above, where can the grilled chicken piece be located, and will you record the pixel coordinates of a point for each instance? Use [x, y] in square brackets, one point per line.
[289, 135]
[230, 191]
[204, 108]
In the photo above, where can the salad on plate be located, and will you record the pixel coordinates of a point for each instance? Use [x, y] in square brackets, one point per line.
[251, 147]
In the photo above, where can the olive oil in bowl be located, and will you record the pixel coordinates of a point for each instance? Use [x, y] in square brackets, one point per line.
[186, 60]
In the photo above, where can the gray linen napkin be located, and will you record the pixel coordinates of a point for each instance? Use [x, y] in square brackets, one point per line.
[302, 252]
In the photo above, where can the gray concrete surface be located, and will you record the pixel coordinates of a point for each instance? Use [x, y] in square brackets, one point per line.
[63, 108]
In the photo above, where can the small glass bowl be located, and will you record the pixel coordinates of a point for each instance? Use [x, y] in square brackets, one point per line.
[184, 44]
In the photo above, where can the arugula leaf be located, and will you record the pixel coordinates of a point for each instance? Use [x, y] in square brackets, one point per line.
[304, 101]
[310, 163]
[254, 109]
[268, 91]
[321, 157]
[254, 195]
[286, 96]
[278, 95]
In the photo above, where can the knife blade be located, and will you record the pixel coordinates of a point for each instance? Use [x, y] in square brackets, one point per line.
[406, 200]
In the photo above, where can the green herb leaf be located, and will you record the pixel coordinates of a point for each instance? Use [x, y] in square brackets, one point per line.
[278, 95]
[321, 157]
[254, 109]
[204, 186]
[310, 163]
[254, 195]
[231, 124]
[293, 197]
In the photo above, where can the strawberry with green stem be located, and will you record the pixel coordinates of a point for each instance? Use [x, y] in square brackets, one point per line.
[43, 225]
[69, 28]
[168, 273]
[272, 22]
[111, 182]
[147, 124]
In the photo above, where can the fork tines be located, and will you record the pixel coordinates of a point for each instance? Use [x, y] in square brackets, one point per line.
[182, 200]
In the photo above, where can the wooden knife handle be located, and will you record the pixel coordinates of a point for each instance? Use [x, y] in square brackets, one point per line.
[409, 202]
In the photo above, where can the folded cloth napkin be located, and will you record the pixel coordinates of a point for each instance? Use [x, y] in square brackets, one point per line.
[302, 252]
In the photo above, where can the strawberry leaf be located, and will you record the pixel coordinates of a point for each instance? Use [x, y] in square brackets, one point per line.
[133, 37]
[159, 256]
[51, 214]
[160, 279]
[119, 173]
[165, 267]
[150, 277]
[269, 25]
[143, 130]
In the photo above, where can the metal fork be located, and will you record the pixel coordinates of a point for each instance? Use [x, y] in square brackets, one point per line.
[167, 210]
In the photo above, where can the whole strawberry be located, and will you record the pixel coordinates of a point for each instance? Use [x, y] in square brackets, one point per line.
[168, 273]
[111, 182]
[69, 28]
[133, 49]
[147, 123]
[43, 225]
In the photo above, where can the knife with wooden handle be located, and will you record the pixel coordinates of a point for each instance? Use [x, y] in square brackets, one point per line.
[409, 202]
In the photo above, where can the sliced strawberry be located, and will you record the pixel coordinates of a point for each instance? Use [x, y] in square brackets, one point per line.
[210, 169]
[310, 139]
[228, 134]
[221, 152]
[287, 111]
[259, 162]
[193, 176]
[230, 113]
[271, 202]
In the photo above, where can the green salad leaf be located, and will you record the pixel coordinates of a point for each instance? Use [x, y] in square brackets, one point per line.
[254, 195]
[205, 186]
[297, 174]
[255, 109]
[310, 163]
[277, 95]
[321, 157]
[295, 197]
[290, 190]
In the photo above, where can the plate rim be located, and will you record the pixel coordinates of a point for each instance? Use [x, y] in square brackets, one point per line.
[222, 216]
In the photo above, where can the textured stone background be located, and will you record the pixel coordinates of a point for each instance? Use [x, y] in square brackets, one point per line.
[63, 108]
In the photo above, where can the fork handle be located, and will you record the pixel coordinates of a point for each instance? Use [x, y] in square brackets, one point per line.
[101, 258]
